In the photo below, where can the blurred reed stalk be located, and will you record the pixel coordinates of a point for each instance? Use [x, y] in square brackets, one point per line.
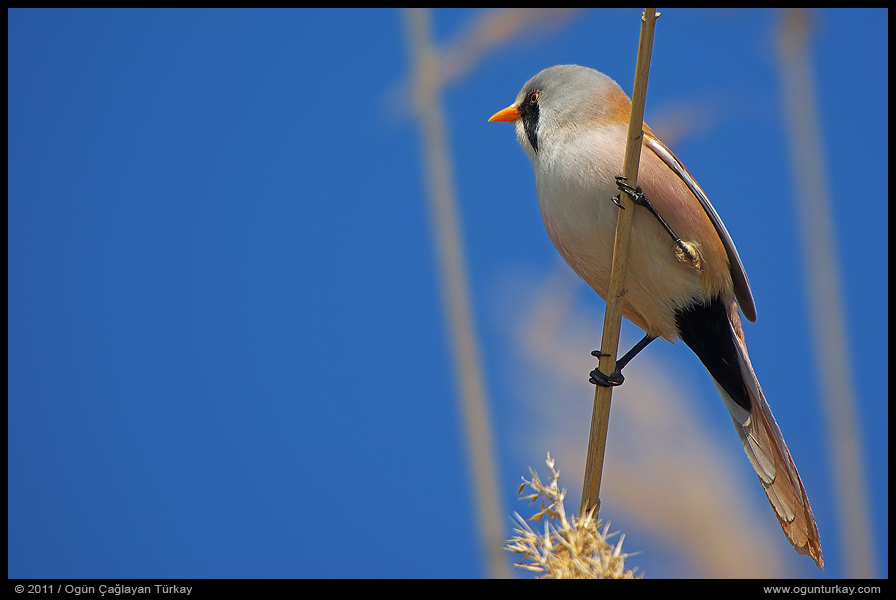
[455, 289]
[832, 354]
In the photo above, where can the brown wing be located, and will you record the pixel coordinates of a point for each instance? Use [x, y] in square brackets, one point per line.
[738, 274]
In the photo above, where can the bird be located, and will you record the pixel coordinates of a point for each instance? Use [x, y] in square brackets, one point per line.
[684, 280]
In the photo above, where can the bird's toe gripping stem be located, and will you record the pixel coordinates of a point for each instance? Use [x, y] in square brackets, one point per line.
[599, 378]
[685, 250]
[635, 193]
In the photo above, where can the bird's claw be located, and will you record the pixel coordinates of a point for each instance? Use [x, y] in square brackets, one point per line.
[598, 378]
[622, 184]
[685, 251]
[635, 193]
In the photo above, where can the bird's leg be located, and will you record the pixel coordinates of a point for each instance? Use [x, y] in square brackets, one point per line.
[598, 378]
[640, 198]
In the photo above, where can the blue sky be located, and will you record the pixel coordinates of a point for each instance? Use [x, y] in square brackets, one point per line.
[227, 350]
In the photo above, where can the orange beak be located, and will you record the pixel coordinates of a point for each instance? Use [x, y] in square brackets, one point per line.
[508, 115]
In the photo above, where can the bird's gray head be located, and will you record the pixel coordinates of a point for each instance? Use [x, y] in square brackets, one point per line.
[561, 98]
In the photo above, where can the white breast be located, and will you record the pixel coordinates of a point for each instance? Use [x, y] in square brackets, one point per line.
[575, 181]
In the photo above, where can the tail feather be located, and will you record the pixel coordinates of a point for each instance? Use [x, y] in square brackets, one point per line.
[765, 447]
[713, 331]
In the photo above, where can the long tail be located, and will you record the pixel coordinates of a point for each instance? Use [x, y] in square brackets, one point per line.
[765, 447]
[705, 329]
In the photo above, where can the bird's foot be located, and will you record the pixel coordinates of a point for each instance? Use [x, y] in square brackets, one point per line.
[686, 251]
[599, 378]
[635, 193]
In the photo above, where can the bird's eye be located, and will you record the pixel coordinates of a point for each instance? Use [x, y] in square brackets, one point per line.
[533, 98]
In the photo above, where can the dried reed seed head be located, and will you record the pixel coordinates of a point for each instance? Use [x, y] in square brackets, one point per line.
[570, 547]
